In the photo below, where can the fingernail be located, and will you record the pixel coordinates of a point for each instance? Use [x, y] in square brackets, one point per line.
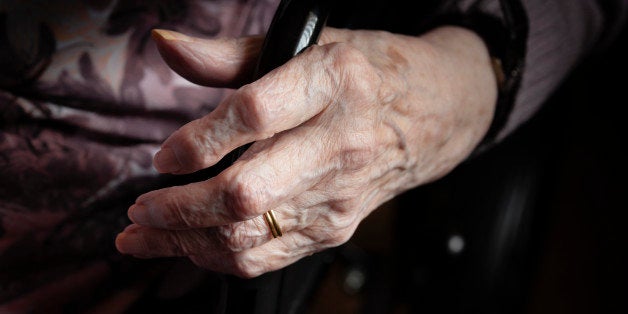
[139, 214]
[170, 35]
[166, 161]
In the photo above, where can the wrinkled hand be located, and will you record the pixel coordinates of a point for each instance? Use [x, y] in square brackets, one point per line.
[338, 130]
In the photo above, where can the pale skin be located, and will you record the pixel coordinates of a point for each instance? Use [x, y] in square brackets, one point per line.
[338, 130]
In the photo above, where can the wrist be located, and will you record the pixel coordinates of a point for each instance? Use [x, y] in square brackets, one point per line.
[475, 78]
[455, 93]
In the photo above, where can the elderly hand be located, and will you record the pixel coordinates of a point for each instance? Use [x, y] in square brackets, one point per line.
[338, 130]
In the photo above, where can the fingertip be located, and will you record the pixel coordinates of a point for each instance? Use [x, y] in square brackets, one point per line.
[127, 241]
[149, 213]
[120, 242]
[139, 214]
[207, 61]
[168, 35]
[146, 197]
[166, 161]
[178, 50]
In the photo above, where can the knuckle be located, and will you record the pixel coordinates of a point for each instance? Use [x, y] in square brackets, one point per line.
[247, 196]
[357, 71]
[348, 56]
[336, 230]
[356, 77]
[193, 146]
[252, 109]
[236, 237]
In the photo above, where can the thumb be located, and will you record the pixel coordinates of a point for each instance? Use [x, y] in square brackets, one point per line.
[223, 62]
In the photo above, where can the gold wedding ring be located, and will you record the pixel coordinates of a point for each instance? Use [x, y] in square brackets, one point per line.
[269, 216]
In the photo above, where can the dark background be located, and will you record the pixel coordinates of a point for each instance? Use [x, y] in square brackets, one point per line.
[542, 216]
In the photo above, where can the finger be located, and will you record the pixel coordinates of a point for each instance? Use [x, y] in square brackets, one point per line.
[144, 242]
[226, 62]
[258, 260]
[278, 253]
[283, 169]
[217, 62]
[153, 242]
[149, 242]
[281, 100]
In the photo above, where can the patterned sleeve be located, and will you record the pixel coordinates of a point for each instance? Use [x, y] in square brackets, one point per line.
[85, 101]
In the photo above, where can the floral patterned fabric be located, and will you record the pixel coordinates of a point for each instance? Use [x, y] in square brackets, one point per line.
[85, 101]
